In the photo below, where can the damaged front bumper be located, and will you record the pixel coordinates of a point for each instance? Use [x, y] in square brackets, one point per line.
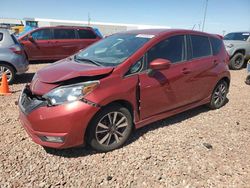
[60, 126]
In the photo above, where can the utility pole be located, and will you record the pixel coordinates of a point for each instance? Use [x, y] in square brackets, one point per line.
[205, 14]
[89, 19]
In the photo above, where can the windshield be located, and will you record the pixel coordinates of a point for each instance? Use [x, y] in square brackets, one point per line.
[237, 36]
[114, 49]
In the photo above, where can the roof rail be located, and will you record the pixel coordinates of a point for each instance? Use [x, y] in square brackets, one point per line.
[71, 26]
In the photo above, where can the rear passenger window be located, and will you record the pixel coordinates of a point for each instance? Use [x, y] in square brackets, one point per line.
[86, 34]
[216, 45]
[200, 46]
[64, 34]
[172, 49]
[1, 36]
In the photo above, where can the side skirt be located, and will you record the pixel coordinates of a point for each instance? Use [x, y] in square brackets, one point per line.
[167, 114]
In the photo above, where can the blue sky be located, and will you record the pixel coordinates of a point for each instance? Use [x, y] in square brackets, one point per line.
[227, 15]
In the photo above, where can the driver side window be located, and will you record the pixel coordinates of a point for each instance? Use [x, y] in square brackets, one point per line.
[172, 49]
[42, 34]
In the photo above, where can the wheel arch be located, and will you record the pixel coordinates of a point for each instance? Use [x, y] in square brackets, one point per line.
[26, 55]
[125, 104]
[223, 78]
[9, 64]
[226, 79]
[243, 51]
[121, 102]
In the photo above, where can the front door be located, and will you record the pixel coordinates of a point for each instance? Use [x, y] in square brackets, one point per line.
[40, 48]
[167, 89]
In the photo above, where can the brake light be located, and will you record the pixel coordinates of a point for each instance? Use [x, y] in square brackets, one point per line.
[16, 50]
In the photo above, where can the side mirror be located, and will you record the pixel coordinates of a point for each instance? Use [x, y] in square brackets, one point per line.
[31, 39]
[160, 64]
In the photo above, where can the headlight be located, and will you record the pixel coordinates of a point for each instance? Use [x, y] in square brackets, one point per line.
[229, 45]
[70, 93]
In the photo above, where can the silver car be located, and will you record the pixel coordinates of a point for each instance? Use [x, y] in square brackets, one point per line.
[12, 56]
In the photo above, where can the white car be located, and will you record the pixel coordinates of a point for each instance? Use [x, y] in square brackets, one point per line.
[238, 47]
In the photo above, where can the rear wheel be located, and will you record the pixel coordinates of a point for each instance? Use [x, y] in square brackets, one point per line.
[237, 61]
[9, 71]
[110, 128]
[219, 95]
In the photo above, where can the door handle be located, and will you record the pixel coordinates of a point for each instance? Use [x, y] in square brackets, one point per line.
[186, 71]
[216, 62]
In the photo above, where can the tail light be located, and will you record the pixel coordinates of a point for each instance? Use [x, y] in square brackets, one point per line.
[16, 50]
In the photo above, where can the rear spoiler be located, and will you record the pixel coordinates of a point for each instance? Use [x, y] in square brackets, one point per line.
[220, 36]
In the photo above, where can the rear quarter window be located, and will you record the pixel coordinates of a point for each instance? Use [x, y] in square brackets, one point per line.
[1, 36]
[216, 45]
[14, 39]
[86, 34]
[200, 46]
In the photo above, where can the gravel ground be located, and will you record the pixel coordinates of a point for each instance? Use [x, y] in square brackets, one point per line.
[198, 148]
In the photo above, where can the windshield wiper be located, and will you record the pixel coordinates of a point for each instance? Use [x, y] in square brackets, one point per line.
[88, 60]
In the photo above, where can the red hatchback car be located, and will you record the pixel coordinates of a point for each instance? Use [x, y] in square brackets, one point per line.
[53, 43]
[122, 82]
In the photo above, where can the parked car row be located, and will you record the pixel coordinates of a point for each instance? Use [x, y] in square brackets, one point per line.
[124, 82]
[54, 43]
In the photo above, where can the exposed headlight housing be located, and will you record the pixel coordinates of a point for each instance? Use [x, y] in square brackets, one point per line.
[70, 93]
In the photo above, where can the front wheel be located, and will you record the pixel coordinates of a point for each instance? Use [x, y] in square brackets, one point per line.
[237, 61]
[110, 128]
[219, 95]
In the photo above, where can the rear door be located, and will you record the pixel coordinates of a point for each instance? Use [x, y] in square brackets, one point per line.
[86, 37]
[40, 48]
[203, 65]
[171, 88]
[64, 42]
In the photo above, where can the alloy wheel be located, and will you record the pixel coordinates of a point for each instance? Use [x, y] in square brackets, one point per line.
[111, 128]
[238, 62]
[7, 71]
[220, 95]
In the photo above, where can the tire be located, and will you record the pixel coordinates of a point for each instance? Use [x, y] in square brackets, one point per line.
[104, 136]
[237, 61]
[10, 72]
[248, 80]
[219, 95]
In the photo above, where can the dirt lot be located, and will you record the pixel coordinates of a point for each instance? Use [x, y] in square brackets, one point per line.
[198, 148]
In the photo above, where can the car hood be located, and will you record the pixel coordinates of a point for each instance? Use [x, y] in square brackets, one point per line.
[68, 69]
[64, 70]
[235, 42]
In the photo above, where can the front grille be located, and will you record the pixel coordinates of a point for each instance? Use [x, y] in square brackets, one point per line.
[29, 102]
